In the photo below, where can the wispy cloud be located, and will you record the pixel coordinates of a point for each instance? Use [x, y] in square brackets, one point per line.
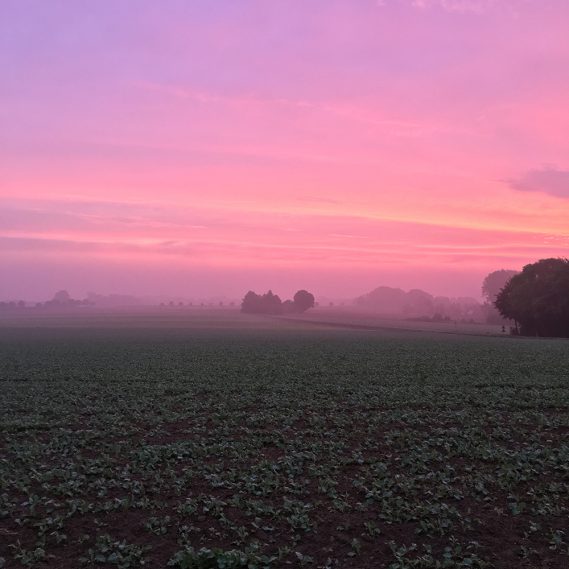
[360, 114]
[265, 237]
[549, 180]
[471, 6]
[460, 6]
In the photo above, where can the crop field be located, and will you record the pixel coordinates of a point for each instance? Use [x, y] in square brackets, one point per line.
[354, 319]
[281, 446]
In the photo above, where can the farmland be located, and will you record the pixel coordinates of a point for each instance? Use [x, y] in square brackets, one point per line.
[276, 444]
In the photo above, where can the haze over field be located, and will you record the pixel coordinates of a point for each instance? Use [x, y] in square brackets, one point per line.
[204, 148]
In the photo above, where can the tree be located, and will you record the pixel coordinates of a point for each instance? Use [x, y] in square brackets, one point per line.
[61, 297]
[538, 299]
[419, 302]
[495, 282]
[491, 287]
[251, 303]
[269, 303]
[303, 300]
[383, 299]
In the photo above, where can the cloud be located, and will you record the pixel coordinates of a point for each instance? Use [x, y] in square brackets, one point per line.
[473, 6]
[340, 110]
[457, 6]
[548, 180]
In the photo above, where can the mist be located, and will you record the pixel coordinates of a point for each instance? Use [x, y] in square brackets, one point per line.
[39, 280]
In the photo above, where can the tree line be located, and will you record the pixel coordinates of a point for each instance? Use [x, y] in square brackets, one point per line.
[418, 304]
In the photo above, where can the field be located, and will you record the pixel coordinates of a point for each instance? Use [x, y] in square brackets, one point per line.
[227, 442]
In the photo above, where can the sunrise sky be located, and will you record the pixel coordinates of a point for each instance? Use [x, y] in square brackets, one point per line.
[205, 147]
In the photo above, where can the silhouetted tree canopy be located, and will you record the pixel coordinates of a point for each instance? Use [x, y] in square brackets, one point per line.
[251, 303]
[538, 298]
[270, 303]
[495, 282]
[303, 300]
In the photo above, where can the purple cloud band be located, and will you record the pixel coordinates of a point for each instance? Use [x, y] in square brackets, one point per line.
[548, 180]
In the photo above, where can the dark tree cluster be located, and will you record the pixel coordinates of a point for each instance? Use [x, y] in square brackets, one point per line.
[270, 303]
[537, 299]
[62, 299]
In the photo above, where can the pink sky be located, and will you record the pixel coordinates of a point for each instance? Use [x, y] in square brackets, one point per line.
[202, 148]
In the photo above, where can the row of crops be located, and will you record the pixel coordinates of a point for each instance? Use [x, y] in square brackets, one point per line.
[324, 449]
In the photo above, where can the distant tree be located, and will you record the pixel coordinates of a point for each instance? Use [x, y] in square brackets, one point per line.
[268, 303]
[418, 302]
[495, 282]
[303, 300]
[271, 303]
[383, 299]
[491, 287]
[61, 297]
[537, 299]
[251, 303]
